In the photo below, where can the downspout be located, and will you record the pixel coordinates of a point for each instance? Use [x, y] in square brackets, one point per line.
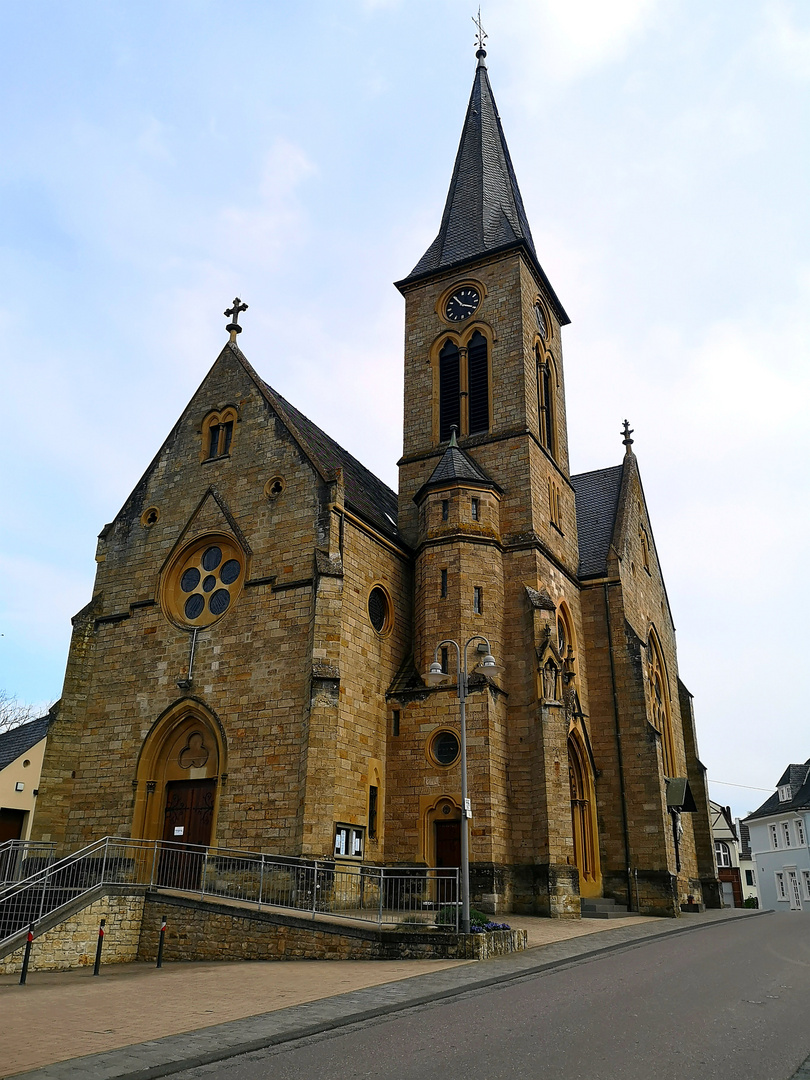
[625, 831]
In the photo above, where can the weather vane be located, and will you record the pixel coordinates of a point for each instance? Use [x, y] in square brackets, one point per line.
[480, 36]
[233, 313]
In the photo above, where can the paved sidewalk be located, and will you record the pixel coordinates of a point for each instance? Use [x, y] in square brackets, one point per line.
[70, 1025]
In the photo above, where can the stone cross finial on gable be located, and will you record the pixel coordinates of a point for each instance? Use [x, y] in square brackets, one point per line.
[233, 313]
[627, 431]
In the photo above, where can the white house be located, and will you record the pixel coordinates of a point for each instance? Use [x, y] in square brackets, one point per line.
[779, 848]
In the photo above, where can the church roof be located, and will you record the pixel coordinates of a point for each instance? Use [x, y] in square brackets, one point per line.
[365, 493]
[455, 464]
[484, 211]
[15, 742]
[597, 500]
[798, 777]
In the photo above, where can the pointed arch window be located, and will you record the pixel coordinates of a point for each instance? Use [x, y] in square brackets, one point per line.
[546, 397]
[583, 817]
[449, 390]
[217, 434]
[464, 374]
[659, 702]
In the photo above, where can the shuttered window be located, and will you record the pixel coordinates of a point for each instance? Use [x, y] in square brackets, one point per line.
[478, 376]
[449, 388]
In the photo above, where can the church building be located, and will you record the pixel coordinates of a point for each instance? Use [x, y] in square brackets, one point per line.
[252, 661]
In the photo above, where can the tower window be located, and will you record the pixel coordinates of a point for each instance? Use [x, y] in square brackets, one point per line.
[478, 378]
[372, 811]
[395, 722]
[445, 509]
[449, 390]
[554, 505]
[478, 600]
[444, 585]
[546, 385]
[445, 660]
[475, 507]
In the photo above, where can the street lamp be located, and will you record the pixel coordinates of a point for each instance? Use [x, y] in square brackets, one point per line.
[435, 677]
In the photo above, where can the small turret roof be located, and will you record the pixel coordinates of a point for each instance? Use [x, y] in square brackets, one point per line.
[456, 465]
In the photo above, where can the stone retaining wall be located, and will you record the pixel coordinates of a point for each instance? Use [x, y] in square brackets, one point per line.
[72, 943]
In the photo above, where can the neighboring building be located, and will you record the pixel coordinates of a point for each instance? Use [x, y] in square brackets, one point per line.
[249, 669]
[726, 853]
[779, 842]
[748, 872]
[21, 752]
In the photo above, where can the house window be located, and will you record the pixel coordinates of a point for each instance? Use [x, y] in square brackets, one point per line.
[372, 811]
[722, 853]
[806, 880]
[785, 793]
[475, 509]
[445, 509]
[786, 832]
[749, 877]
[800, 832]
[444, 585]
[217, 434]
[349, 841]
[774, 837]
[478, 600]
[781, 892]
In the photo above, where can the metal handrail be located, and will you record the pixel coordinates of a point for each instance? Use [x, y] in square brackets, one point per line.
[410, 897]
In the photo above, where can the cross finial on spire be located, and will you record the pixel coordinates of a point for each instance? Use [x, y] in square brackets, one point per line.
[627, 431]
[233, 313]
[480, 36]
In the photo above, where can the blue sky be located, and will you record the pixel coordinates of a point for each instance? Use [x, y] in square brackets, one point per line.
[161, 158]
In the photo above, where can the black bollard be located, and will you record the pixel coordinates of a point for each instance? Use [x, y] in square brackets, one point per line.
[161, 938]
[28, 943]
[97, 964]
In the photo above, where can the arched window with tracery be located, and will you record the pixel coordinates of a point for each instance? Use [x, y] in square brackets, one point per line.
[217, 434]
[583, 819]
[546, 411]
[659, 702]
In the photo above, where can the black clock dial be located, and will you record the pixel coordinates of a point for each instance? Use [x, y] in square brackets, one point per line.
[462, 303]
[539, 314]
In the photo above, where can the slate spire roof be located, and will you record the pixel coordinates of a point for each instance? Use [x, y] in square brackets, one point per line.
[484, 211]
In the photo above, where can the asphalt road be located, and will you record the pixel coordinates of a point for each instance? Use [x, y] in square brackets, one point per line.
[729, 1002]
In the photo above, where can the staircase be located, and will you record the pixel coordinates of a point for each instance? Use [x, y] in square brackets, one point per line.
[600, 908]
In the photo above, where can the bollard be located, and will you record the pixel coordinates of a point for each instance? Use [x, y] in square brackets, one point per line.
[28, 943]
[97, 964]
[161, 939]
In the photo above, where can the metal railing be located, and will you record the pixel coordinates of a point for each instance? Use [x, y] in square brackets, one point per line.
[409, 898]
[20, 859]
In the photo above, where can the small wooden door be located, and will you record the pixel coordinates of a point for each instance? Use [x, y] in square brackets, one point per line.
[188, 820]
[11, 824]
[448, 853]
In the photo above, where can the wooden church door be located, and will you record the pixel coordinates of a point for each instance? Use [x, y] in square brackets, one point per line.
[188, 819]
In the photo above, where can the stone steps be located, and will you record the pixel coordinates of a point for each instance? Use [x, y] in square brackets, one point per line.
[600, 908]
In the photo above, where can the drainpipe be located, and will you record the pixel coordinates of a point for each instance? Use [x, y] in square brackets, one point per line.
[625, 831]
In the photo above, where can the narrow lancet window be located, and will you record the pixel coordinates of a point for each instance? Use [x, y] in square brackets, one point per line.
[478, 378]
[449, 390]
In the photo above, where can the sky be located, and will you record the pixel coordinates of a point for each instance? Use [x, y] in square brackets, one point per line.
[160, 158]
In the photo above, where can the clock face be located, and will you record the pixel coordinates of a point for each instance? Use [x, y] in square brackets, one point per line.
[541, 320]
[462, 303]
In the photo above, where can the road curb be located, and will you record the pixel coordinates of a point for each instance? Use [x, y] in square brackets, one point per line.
[176, 1053]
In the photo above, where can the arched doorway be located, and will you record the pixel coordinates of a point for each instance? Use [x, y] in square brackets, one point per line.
[583, 819]
[176, 791]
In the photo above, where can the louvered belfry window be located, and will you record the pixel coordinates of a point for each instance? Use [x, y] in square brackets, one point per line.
[478, 378]
[449, 387]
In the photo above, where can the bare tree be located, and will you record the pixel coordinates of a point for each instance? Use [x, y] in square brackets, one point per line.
[13, 712]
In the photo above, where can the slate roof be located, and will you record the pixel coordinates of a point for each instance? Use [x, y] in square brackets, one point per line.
[15, 742]
[798, 776]
[365, 493]
[597, 501]
[484, 211]
[455, 464]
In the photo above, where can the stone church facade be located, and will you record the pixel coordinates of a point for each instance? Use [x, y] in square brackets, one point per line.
[265, 609]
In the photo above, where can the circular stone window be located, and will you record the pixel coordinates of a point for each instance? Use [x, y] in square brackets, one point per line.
[204, 581]
[379, 609]
[445, 748]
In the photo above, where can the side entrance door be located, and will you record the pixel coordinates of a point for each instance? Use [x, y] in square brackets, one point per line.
[448, 853]
[187, 824]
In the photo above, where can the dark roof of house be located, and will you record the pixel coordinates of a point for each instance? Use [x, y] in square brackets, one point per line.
[455, 464]
[798, 777]
[365, 493]
[15, 742]
[484, 211]
[597, 500]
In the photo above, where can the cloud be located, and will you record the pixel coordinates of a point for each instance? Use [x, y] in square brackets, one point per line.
[786, 46]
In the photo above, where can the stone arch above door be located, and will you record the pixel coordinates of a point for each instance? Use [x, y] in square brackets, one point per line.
[186, 744]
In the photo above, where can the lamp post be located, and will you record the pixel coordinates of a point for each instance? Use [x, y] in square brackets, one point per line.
[436, 677]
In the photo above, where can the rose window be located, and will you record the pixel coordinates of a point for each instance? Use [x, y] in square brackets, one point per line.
[204, 581]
